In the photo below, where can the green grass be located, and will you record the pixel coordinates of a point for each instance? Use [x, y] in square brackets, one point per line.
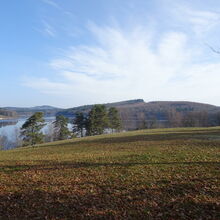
[148, 174]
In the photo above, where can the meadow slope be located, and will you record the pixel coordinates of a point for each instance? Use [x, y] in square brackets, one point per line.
[148, 174]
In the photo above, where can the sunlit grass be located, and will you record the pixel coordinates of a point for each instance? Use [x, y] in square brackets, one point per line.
[148, 174]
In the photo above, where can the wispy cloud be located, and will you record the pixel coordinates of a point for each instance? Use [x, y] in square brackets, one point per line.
[58, 6]
[156, 61]
[48, 29]
[66, 18]
[200, 21]
[51, 3]
[46, 86]
[122, 65]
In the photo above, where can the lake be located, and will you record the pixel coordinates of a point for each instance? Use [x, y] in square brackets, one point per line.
[10, 130]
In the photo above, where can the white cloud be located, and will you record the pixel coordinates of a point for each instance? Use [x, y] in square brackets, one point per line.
[200, 21]
[48, 29]
[46, 86]
[124, 65]
[51, 3]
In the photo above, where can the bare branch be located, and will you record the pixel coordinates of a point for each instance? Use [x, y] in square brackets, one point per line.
[213, 49]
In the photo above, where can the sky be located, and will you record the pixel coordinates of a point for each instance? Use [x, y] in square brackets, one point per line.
[67, 53]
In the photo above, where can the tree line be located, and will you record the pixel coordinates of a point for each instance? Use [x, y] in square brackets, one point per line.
[96, 122]
[101, 119]
[173, 118]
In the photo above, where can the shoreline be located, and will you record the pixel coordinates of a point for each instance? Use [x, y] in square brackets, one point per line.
[7, 118]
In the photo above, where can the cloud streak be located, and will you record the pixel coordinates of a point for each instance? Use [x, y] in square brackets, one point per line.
[51, 3]
[201, 22]
[124, 65]
[48, 29]
[138, 62]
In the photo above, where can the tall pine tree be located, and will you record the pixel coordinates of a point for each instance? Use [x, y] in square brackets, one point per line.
[114, 120]
[97, 120]
[31, 130]
[61, 131]
[79, 123]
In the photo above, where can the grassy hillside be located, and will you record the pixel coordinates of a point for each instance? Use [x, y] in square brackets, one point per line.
[149, 174]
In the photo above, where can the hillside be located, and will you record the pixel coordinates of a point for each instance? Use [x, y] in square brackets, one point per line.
[148, 174]
[134, 112]
[137, 114]
[25, 112]
[7, 113]
[161, 112]
[86, 108]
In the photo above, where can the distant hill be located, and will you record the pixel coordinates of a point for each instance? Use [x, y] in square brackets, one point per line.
[135, 112]
[44, 107]
[7, 113]
[86, 108]
[25, 112]
[161, 111]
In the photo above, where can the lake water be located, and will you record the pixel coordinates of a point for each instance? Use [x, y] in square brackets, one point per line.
[10, 130]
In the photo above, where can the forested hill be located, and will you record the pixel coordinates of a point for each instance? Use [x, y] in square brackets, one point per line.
[25, 112]
[86, 108]
[139, 105]
[7, 114]
[139, 114]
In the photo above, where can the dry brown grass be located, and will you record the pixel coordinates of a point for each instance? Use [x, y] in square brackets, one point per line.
[151, 174]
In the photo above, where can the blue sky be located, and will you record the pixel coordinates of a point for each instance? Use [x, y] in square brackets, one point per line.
[74, 52]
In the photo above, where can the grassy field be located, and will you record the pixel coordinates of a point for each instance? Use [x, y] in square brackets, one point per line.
[149, 174]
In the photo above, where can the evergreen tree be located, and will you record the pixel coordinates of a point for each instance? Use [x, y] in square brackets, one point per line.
[31, 130]
[97, 120]
[114, 120]
[88, 126]
[61, 131]
[79, 123]
[218, 118]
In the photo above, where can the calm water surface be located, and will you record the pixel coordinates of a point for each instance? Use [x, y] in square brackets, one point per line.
[11, 130]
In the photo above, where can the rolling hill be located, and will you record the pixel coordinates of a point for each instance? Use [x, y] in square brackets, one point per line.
[134, 112]
[26, 112]
[4, 113]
